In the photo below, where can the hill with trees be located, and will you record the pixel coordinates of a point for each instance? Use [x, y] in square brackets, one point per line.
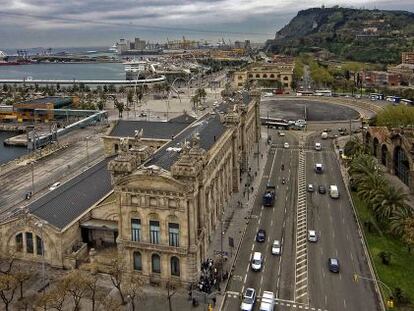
[375, 36]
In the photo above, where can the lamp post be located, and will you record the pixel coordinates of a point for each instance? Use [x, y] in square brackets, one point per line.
[87, 150]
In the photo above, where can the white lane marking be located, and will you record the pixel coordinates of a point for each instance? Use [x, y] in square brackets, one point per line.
[252, 249]
[245, 278]
[271, 223]
[344, 303]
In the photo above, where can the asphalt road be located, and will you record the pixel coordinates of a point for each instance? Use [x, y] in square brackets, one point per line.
[278, 221]
[332, 219]
[338, 237]
[305, 109]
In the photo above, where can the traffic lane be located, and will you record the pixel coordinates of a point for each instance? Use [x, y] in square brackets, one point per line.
[362, 296]
[285, 285]
[277, 230]
[242, 263]
[337, 239]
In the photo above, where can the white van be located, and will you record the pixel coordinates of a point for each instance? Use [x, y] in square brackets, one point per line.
[268, 301]
[318, 146]
[257, 261]
[318, 168]
[333, 191]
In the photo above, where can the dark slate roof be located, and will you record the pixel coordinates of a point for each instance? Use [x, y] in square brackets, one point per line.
[64, 204]
[152, 129]
[208, 127]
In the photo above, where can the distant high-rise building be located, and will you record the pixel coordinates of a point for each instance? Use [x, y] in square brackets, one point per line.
[140, 44]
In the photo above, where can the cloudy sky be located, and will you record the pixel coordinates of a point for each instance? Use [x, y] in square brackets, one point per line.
[74, 23]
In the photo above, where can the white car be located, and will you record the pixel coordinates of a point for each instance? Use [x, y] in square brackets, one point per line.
[311, 188]
[276, 248]
[249, 298]
[286, 145]
[54, 186]
[281, 133]
[312, 236]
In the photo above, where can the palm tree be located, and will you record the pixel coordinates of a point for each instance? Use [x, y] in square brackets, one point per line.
[370, 185]
[389, 201]
[408, 234]
[398, 221]
[360, 166]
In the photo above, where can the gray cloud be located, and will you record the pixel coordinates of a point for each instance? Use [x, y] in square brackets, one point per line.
[93, 22]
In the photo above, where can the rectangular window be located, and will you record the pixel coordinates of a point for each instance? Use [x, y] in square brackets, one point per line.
[137, 261]
[29, 242]
[155, 232]
[19, 242]
[136, 230]
[39, 246]
[173, 232]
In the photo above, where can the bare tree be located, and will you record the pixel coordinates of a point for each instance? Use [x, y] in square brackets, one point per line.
[76, 285]
[21, 277]
[8, 287]
[6, 262]
[133, 290]
[54, 299]
[116, 273]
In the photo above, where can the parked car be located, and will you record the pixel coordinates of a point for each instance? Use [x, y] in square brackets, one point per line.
[281, 133]
[54, 186]
[286, 145]
[310, 188]
[261, 235]
[29, 195]
[333, 265]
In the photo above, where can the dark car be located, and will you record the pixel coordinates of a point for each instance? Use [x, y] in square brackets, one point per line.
[29, 195]
[261, 235]
[321, 189]
[333, 265]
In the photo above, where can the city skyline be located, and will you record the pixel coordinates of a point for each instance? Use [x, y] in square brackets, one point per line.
[93, 23]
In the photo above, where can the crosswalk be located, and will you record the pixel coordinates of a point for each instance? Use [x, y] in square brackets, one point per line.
[301, 260]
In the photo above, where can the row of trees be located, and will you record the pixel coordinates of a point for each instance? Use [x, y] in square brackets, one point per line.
[76, 290]
[199, 96]
[387, 203]
[395, 116]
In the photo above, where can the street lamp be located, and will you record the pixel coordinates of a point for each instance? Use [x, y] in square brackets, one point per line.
[40, 225]
[87, 149]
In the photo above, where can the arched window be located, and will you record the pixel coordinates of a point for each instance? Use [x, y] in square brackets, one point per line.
[285, 78]
[154, 231]
[29, 242]
[19, 242]
[250, 75]
[156, 263]
[137, 261]
[257, 75]
[265, 76]
[175, 266]
[240, 77]
[39, 246]
[272, 75]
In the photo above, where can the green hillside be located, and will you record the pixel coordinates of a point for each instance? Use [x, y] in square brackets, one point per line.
[360, 35]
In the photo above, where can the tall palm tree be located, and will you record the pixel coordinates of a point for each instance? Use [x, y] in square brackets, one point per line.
[388, 202]
[360, 166]
[408, 234]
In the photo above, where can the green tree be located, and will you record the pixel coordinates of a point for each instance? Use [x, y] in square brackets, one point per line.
[371, 185]
[408, 235]
[388, 201]
[396, 116]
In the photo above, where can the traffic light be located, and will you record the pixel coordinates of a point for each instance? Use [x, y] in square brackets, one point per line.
[355, 278]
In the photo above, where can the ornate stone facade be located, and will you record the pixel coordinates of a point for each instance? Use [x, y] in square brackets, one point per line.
[394, 148]
[168, 215]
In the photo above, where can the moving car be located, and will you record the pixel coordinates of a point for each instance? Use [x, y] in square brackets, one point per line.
[267, 302]
[249, 298]
[334, 192]
[321, 189]
[286, 145]
[310, 188]
[276, 248]
[312, 237]
[257, 261]
[261, 235]
[54, 186]
[281, 133]
[318, 146]
[29, 195]
[333, 265]
[318, 168]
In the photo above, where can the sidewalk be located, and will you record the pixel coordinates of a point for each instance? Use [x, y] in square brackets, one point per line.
[236, 218]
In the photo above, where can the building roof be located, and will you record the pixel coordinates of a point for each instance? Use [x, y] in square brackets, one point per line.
[152, 129]
[209, 129]
[57, 101]
[64, 204]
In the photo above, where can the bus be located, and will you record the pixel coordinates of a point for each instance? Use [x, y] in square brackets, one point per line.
[407, 102]
[323, 93]
[394, 99]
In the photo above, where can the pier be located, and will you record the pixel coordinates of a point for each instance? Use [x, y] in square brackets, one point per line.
[74, 81]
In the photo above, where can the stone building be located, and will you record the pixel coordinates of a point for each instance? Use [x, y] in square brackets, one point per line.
[157, 207]
[271, 75]
[394, 148]
[170, 206]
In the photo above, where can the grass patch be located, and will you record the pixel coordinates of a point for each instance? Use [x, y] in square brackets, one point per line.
[400, 272]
